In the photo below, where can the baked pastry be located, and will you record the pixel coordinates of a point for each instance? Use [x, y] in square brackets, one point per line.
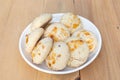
[41, 50]
[58, 57]
[57, 31]
[40, 21]
[79, 51]
[32, 38]
[71, 21]
[87, 36]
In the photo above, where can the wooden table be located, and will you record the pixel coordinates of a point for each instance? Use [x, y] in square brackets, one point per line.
[15, 15]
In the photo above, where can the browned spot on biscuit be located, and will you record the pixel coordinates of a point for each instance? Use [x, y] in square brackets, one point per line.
[53, 37]
[72, 49]
[26, 38]
[90, 46]
[70, 46]
[39, 54]
[43, 46]
[74, 44]
[86, 33]
[33, 55]
[52, 34]
[52, 58]
[81, 41]
[77, 42]
[53, 62]
[53, 54]
[49, 64]
[89, 41]
[75, 25]
[54, 30]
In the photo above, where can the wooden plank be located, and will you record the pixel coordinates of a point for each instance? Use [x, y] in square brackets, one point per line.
[58, 6]
[4, 13]
[83, 8]
[116, 5]
[12, 65]
[44, 76]
[107, 64]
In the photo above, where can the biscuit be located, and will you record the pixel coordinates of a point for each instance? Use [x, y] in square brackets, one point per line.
[41, 50]
[57, 31]
[40, 21]
[32, 38]
[79, 51]
[58, 57]
[87, 36]
[71, 21]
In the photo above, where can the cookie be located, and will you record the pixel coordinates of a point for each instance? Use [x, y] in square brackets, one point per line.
[79, 51]
[41, 50]
[71, 21]
[58, 57]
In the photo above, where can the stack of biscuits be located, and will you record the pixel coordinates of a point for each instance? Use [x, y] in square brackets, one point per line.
[59, 44]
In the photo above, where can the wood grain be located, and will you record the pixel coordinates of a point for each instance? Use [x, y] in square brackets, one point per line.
[15, 15]
[106, 66]
[58, 6]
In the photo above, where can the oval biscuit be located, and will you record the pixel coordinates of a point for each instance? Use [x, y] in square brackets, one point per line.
[71, 21]
[79, 51]
[58, 57]
[41, 50]
[32, 38]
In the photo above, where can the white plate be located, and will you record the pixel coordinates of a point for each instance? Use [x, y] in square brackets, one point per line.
[56, 17]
